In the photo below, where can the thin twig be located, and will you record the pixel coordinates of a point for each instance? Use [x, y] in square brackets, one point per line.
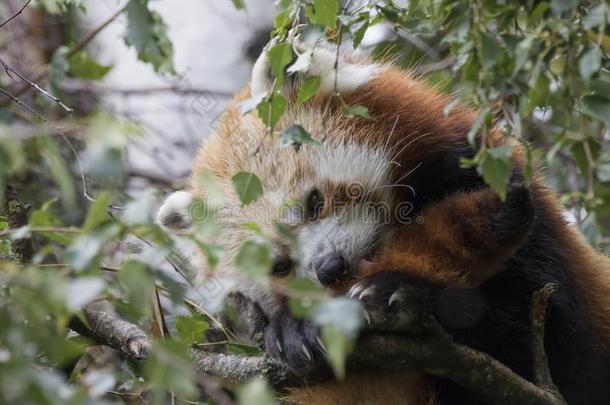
[10, 70]
[80, 45]
[11, 18]
[23, 105]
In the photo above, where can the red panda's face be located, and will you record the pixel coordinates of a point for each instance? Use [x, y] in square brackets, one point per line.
[346, 207]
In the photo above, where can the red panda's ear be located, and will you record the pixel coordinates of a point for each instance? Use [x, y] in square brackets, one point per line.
[174, 212]
[347, 78]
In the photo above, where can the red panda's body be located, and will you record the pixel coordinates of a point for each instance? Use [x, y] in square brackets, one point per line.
[473, 259]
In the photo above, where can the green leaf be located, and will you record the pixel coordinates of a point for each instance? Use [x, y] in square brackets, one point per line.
[358, 28]
[84, 252]
[239, 4]
[243, 350]
[147, 33]
[137, 283]
[254, 258]
[140, 210]
[191, 329]
[325, 12]
[82, 290]
[480, 123]
[254, 228]
[83, 67]
[311, 34]
[57, 70]
[589, 63]
[536, 15]
[214, 197]
[580, 152]
[598, 107]
[496, 167]
[212, 252]
[599, 87]
[283, 19]
[539, 91]
[98, 212]
[340, 319]
[56, 166]
[603, 172]
[308, 89]
[169, 368]
[490, 51]
[44, 217]
[256, 392]
[304, 306]
[597, 16]
[61, 6]
[271, 111]
[248, 186]
[279, 56]
[295, 136]
[358, 111]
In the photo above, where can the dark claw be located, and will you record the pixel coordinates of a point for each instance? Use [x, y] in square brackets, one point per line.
[393, 301]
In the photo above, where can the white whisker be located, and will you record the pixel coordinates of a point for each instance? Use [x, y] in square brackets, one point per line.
[407, 175]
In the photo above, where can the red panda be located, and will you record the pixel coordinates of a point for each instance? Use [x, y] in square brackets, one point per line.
[449, 243]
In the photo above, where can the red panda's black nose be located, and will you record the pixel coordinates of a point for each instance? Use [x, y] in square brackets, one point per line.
[333, 269]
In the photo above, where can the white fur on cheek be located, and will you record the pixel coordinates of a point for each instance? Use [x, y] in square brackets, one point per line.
[177, 204]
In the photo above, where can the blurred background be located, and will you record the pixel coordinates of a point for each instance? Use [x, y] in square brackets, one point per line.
[214, 46]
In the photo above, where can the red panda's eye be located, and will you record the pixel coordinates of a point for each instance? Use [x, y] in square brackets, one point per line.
[314, 204]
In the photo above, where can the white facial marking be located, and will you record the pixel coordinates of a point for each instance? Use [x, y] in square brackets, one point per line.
[352, 163]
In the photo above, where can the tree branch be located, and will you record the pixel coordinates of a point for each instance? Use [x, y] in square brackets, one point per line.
[112, 331]
[435, 353]
[11, 18]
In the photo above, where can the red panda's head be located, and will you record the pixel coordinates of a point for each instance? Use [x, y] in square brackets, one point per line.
[343, 196]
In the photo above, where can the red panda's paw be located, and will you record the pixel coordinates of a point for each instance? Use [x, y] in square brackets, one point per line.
[394, 301]
[295, 343]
